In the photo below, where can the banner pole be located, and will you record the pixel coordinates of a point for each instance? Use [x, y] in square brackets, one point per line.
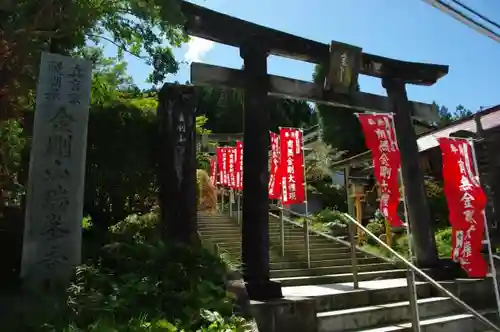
[282, 229]
[280, 203]
[487, 231]
[238, 206]
[306, 220]
[216, 197]
[412, 287]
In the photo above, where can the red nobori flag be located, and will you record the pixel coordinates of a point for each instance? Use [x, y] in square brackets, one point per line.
[232, 167]
[380, 138]
[227, 160]
[239, 165]
[292, 166]
[466, 203]
[224, 169]
[274, 186]
[213, 170]
[220, 164]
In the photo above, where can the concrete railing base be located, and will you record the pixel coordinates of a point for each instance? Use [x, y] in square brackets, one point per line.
[295, 314]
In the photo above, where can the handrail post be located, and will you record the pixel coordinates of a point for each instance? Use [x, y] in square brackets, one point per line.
[410, 274]
[415, 269]
[354, 263]
[412, 289]
[222, 199]
[425, 276]
[231, 194]
[306, 203]
[282, 230]
[238, 203]
[308, 247]
[352, 228]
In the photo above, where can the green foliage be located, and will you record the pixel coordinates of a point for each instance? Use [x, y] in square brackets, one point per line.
[443, 242]
[437, 202]
[109, 75]
[341, 128]
[120, 173]
[12, 143]
[328, 221]
[331, 218]
[377, 227]
[332, 196]
[224, 111]
[140, 284]
[319, 159]
[146, 29]
[400, 245]
[446, 116]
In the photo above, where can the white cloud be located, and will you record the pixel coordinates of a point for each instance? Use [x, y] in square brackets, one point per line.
[197, 49]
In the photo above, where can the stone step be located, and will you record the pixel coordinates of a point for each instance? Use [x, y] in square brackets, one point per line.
[382, 314]
[463, 322]
[341, 277]
[324, 255]
[312, 245]
[316, 271]
[290, 244]
[218, 226]
[343, 296]
[213, 230]
[326, 263]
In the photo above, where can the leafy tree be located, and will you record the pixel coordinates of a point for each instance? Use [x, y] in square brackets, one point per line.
[146, 29]
[319, 159]
[224, 111]
[11, 145]
[109, 76]
[341, 128]
[446, 116]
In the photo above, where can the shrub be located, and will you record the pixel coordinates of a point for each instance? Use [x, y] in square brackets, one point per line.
[332, 196]
[443, 242]
[12, 143]
[437, 203]
[120, 174]
[138, 284]
[377, 227]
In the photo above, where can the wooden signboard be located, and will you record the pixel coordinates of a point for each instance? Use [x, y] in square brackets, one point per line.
[343, 69]
[52, 234]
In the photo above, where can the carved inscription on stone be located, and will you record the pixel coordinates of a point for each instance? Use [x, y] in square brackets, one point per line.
[52, 238]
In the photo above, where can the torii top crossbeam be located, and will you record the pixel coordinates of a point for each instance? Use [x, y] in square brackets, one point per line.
[208, 24]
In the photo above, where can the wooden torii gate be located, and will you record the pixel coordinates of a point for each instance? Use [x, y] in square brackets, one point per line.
[344, 63]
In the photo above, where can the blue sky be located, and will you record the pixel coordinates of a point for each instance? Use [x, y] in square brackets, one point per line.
[403, 29]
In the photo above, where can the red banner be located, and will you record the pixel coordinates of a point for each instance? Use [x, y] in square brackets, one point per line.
[213, 170]
[466, 203]
[292, 166]
[274, 186]
[380, 138]
[231, 167]
[239, 165]
[225, 167]
[220, 163]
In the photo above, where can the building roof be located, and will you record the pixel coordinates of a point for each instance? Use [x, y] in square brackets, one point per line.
[489, 118]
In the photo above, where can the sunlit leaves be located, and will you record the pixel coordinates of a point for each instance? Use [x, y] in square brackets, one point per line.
[146, 29]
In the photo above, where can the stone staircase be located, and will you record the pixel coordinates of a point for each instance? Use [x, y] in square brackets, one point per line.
[380, 304]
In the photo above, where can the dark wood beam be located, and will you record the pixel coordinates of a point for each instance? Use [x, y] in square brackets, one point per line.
[418, 213]
[208, 24]
[255, 227]
[203, 74]
[222, 137]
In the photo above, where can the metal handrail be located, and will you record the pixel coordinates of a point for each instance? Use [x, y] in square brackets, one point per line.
[409, 265]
